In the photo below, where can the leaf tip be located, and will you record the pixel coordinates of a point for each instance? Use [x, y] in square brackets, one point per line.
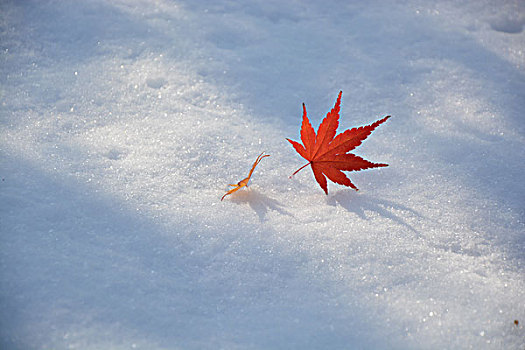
[384, 119]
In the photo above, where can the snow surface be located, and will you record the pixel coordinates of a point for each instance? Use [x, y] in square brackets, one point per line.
[122, 122]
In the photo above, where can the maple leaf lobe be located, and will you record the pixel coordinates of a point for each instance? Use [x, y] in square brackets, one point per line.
[307, 134]
[328, 127]
[327, 153]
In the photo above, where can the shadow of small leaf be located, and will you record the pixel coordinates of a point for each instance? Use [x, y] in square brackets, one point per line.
[259, 202]
[362, 203]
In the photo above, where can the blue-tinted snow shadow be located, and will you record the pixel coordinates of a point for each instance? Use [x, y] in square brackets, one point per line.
[71, 33]
[81, 266]
[260, 203]
[361, 204]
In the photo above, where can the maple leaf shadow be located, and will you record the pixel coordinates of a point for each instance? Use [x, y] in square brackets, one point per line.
[362, 203]
[259, 202]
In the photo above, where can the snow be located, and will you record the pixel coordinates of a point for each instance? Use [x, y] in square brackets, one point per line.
[122, 122]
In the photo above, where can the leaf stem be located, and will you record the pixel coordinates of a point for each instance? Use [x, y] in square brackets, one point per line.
[304, 166]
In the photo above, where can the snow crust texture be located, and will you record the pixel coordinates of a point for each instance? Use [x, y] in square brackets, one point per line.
[122, 122]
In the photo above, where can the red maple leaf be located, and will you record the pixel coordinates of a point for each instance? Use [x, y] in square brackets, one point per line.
[328, 154]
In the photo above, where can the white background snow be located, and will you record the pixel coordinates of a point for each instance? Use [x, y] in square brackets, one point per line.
[122, 122]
